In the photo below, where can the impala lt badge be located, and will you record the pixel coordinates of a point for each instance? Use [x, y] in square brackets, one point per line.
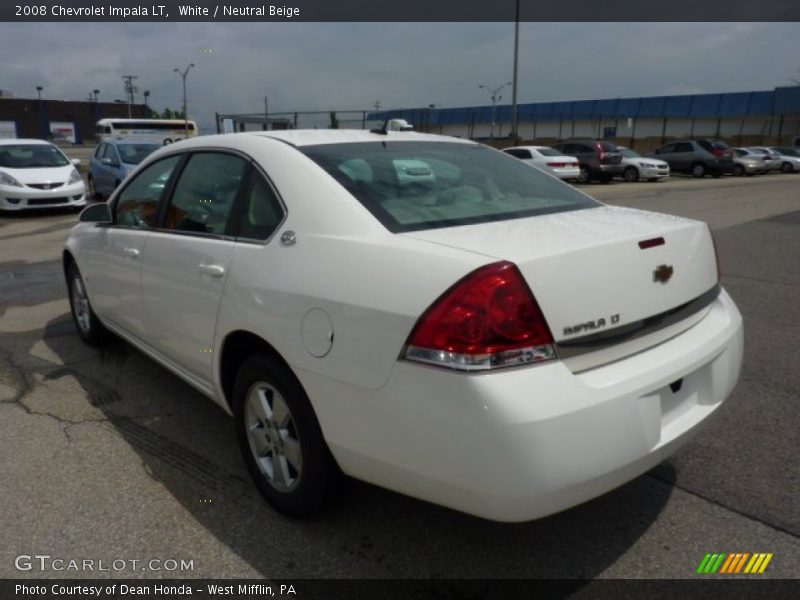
[663, 273]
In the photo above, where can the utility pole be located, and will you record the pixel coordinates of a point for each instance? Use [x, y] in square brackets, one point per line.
[183, 75]
[514, 119]
[130, 90]
[495, 98]
[266, 111]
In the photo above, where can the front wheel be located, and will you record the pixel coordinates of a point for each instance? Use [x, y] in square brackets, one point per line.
[280, 438]
[786, 167]
[631, 174]
[89, 327]
[584, 176]
[738, 170]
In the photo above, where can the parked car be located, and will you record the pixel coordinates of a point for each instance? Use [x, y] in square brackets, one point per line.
[497, 342]
[547, 159]
[113, 161]
[697, 157]
[790, 158]
[748, 162]
[771, 158]
[598, 159]
[636, 167]
[37, 174]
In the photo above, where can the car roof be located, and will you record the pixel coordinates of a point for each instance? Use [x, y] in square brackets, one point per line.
[11, 141]
[313, 137]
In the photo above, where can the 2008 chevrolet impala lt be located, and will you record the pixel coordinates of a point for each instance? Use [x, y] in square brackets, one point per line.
[421, 312]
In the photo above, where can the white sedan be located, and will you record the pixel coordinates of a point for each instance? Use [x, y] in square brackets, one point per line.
[36, 174]
[642, 167]
[547, 159]
[421, 312]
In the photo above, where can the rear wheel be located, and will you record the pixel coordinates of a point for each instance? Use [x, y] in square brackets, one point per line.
[786, 167]
[631, 174]
[280, 438]
[698, 170]
[89, 327]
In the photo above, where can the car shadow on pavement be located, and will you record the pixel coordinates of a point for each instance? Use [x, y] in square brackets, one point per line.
[188, 444]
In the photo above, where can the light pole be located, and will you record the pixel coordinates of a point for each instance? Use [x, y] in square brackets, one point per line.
[183, 75]
[39, 91]
[96, 105]
[266, 112]
[495, 97]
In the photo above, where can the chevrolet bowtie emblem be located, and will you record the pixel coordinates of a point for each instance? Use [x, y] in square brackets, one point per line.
[663, 273]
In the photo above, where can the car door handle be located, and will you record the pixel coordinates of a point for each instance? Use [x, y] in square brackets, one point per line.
[131, 252]
[213, 270]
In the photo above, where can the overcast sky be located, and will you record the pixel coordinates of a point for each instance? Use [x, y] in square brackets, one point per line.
[327, 66]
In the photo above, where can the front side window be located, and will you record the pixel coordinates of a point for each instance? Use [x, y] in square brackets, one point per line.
[137, 206]
[98, 153]
[204, 195]
[410, 186]
[111, 154]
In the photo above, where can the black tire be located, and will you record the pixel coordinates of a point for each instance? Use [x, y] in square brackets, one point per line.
[88, 326]
[585, 175]
[167, 141]
[738, 170]
[786, 167]
[631, 174]
[699, 170]
[298, 490]
[92, 190]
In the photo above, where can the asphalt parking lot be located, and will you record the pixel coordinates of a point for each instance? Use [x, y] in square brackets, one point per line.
[106, 455]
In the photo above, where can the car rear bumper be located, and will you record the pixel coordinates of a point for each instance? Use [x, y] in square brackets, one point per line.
[566, 172]
[523, 443]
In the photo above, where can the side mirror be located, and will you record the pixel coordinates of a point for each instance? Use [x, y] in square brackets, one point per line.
[107, 161]
[96, 213]
[76, 161]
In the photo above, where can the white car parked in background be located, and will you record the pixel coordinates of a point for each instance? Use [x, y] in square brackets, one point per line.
[790, 158]
[547, 159]
[36, 174]
[772, 160]
[422, 312]
[642, 167]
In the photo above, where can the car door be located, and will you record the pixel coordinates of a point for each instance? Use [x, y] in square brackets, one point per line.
[112, 265]
[184, 268]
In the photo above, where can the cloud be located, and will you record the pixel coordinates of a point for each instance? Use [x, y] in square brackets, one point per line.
[326, 66]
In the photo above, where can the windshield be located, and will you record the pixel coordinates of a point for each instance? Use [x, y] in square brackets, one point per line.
[410, 186]
[133, 154]
[30, 156]
[788, 151]
[628, 153]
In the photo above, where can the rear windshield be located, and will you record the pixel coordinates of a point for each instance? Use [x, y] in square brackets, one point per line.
[607, 147]
[548, 152]
[133, 154]
[410, 186]
[628, 153]
[31, 156]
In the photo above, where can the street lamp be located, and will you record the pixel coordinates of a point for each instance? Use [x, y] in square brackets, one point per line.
[495, 98]
[183, 75]
[39, 91]
[146, 95]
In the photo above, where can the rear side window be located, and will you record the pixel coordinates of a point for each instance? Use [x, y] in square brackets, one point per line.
[684, 147]
[137, 205]
[261, 212]
[519, 153]
[607, 146]
[204, 195]
[410, 186]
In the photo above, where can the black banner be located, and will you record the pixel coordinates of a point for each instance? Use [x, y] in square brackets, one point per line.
[400, 10]
[402, 589]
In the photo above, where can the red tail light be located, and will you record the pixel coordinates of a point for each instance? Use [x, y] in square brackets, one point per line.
[488, 320]
[602, 152]
[720, 153]
[557, 164]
